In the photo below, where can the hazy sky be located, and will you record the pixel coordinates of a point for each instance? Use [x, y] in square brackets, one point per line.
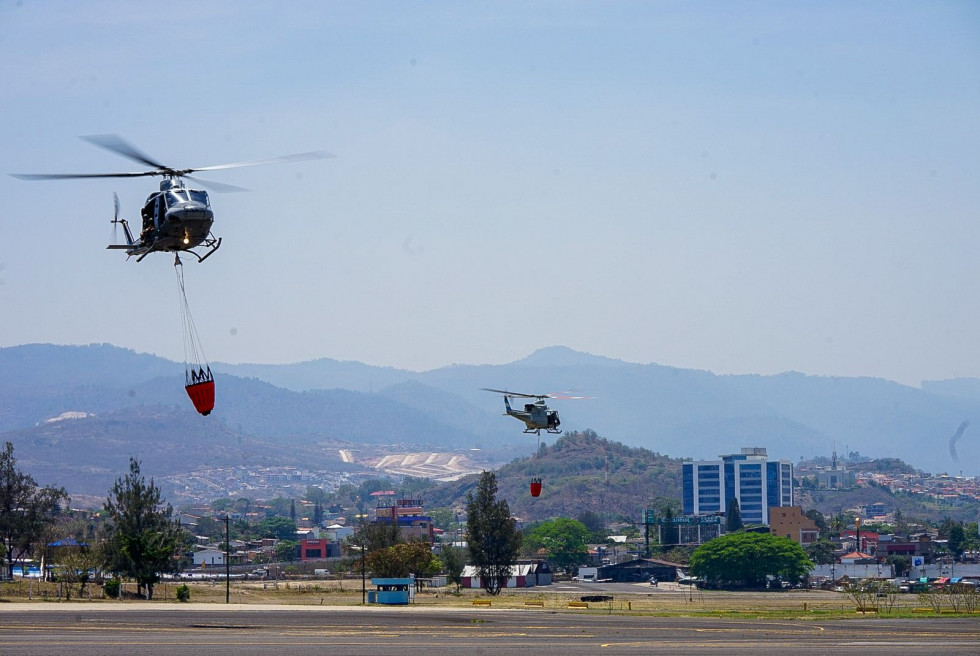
[739, 187]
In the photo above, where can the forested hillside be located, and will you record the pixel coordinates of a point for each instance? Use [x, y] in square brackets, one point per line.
[581, 472]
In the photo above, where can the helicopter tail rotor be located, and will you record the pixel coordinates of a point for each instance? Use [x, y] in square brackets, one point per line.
[115, 217]
[115, 226]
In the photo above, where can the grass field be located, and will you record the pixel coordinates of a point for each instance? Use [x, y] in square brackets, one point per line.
[666, 600]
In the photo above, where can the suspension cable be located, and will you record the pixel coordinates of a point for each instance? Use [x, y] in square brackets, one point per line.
[193, 350]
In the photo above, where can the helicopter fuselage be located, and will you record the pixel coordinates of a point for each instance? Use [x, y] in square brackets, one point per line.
[175, 219]
[536, 416]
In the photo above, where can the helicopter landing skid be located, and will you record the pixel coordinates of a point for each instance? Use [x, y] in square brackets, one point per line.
[209, 253]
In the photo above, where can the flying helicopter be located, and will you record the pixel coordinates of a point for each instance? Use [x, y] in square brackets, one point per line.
[537, 416]
[176, 218]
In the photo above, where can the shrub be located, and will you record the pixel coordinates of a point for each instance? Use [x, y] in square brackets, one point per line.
[183, 592]
[111, 588]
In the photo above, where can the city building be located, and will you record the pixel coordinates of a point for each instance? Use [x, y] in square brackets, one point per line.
[864, 541]
[408, 514]
[757, 482]
[317, 549]
[790, 522]
[209, 556]
[836, 476]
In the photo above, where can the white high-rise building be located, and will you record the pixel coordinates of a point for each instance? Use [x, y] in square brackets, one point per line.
[757, 482]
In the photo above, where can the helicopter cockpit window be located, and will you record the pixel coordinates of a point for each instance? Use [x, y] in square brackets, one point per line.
[200, 197]
[176, 197]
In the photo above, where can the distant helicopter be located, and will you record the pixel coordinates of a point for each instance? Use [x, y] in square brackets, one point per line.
[175, 218]
[536, 416]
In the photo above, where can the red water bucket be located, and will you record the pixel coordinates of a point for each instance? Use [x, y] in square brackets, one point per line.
[536, 487]
[202, 395]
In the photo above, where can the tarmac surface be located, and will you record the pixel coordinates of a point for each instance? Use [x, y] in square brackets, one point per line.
[84, 630]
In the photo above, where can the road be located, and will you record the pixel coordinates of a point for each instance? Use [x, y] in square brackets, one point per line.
[87, 630]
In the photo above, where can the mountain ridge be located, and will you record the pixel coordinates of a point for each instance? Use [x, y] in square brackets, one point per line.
[678, 412]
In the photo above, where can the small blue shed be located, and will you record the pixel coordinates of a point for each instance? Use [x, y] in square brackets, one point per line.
[392, 591]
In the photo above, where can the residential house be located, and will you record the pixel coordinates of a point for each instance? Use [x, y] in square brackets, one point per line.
[523, 574]
[790, 522]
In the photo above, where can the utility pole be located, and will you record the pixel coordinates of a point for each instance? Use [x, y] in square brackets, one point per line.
[227, 560]
[363, 568]
[647, 520]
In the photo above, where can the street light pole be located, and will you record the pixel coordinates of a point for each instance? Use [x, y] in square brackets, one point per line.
[227, 560]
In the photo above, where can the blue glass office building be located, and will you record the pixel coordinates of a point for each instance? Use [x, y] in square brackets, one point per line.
[757, 482]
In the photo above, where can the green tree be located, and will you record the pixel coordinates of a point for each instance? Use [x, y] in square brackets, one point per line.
[315, 493]
[971, 534]
[443, 518]
[593, 522]
[281, 528]
[402, 559]
[453, 562]
[142, 539]
[733, 517]
[287, 550]
[377, 535]
[952, 531]
[25, 509]
[224, 503]
[838, 524]
[73, 563]
[368, 538]
[821, 552]
[901, 564]
[278, 507]
[340, 569]
[492, 534]
[211, 527]
[662, 505]
[242, 506]
[747, 559]
[669, 533]
[564, 539]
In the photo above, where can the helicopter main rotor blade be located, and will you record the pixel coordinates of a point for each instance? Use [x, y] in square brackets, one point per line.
[298, 157]
[120, 146]
[217, 186]
[70, 176]
[517, 394]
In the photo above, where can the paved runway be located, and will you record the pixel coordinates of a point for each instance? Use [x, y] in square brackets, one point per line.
[85, 630]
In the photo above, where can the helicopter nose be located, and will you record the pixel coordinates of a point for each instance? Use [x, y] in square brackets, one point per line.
[192, 213]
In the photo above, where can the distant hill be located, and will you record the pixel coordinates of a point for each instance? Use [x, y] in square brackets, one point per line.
[793, 415]
[86, 454]
[38, 382]
[580, 472]
[676, 412]
[832, 502]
